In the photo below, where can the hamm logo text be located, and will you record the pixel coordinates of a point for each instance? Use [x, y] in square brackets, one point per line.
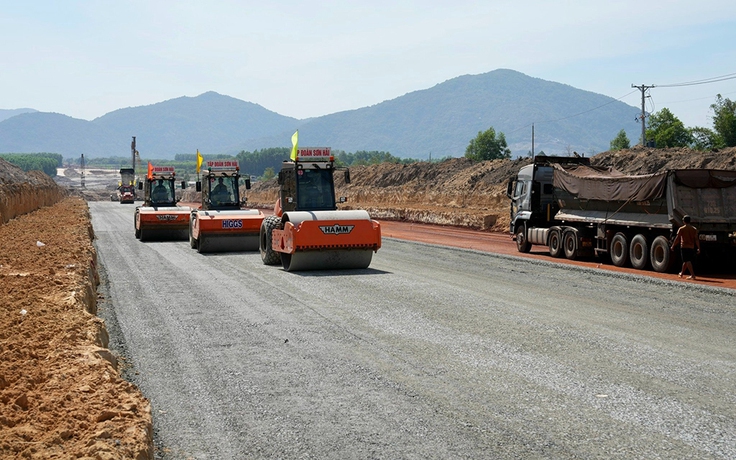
[336, 229]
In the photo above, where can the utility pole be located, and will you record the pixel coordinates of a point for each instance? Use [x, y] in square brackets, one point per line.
[532, 141]
[643, 116]
[81, 162]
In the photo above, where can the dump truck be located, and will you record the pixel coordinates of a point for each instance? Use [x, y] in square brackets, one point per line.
[222, 223]
[307, 231]
[577, 210]
[160, 217]
[126, 187]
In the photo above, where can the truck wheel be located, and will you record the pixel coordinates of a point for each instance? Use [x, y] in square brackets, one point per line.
[639, 252]
[555, 243]
[268, 255]
[522, 243]
[619, 250]
[570, 245]
[660, 254]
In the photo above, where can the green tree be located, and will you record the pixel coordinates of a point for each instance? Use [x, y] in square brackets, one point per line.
[621, 141]
[724, 120]
[666, 130]
[486, 146]
[268, 174]
[705, 139]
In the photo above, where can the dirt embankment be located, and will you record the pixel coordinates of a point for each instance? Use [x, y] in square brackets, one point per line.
[462, 193]
[61, 395]
[454, 192]
[22, 192]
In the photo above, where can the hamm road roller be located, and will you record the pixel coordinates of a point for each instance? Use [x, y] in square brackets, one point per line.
[307, 232]
[222, 223]
[160, 217]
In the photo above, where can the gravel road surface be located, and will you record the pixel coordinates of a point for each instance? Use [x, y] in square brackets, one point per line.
[430, 353]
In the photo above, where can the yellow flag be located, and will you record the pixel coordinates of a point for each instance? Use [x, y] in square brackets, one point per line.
[294, 145]
[199, 160]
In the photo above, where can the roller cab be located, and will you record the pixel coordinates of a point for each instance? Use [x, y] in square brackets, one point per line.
[308, 232]
[160, 217]
[222, 223]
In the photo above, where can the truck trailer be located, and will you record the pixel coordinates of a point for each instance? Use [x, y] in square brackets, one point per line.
[578, 210]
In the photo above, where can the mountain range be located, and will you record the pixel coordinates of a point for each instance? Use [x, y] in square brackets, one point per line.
[437, 122]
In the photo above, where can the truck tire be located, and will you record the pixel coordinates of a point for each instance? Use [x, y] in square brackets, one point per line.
[639, 252]
[570, 244]
[555, 243]
[619, 250]
[522, 243]
[660, 255]
[268, 255]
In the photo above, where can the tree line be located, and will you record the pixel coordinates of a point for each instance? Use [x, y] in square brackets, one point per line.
[261, 163]
[46, 162]
[666, 130]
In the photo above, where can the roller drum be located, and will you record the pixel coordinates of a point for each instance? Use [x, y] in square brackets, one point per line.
[327, 260]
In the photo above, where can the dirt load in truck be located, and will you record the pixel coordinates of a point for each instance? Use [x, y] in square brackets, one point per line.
[308, 232]
[222, 223]
[577, 210]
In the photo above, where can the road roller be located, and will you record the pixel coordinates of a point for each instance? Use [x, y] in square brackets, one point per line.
[222, 223]
[160, 217]
[307, 231]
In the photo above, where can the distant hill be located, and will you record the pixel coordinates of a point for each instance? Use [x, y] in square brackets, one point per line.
[210, 122]
[444, 118]
[56, 133]
[7, 113]
[440, 120]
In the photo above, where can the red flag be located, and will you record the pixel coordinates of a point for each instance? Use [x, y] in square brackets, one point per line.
[150, 170]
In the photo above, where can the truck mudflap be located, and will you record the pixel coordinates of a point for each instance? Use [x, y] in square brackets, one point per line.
[326, 240]
[229, 230]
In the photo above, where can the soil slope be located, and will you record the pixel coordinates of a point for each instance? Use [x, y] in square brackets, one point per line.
[462, 193]
[61, 395]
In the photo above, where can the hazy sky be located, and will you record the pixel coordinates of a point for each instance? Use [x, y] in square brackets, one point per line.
[311, 58]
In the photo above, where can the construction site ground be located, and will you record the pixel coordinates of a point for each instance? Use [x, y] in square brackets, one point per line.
[61, 390]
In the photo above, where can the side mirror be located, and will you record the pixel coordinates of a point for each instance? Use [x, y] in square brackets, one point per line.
[140, 185]
[183, 184]
[509, 188]
[342, 199]
[198, 186]
[347, 176]
[247, 183]
[281, 178]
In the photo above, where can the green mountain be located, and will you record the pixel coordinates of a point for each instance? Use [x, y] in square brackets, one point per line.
[439, 121]
[443, 119]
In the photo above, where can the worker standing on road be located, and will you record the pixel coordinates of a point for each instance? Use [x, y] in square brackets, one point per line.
[687, 237]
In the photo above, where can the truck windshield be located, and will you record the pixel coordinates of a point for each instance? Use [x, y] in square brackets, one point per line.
[315, 189]
[163, 191]
[224, 190]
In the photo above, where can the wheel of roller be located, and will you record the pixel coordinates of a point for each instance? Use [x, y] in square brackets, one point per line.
[268, 255]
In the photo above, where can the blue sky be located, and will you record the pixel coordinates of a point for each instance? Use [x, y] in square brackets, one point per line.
[306, 59]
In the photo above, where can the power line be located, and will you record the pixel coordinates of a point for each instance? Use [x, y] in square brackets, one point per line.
[704, 81]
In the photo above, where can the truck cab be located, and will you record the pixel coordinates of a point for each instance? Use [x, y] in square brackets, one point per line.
[532, 196]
